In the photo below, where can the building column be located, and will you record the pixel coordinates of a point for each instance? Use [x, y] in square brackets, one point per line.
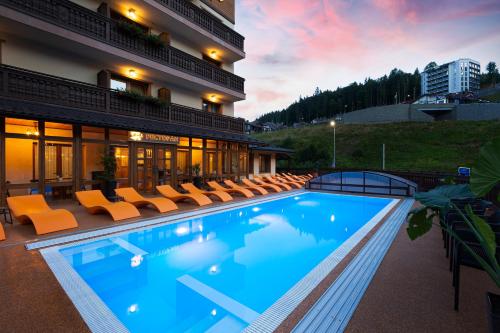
[41, 158]
[3, 185]
[77, 158]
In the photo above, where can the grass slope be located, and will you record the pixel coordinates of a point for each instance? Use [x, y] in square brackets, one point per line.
[436, 146]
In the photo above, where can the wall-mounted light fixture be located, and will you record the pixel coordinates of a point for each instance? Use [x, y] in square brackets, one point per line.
[132, 73]
[213, 54]
[213, 98]
[132, 14]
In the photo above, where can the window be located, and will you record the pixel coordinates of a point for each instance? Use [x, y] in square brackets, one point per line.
[122, 83]
[118, 84]
[197, 158]
[58, 161]
[94, 133]
[20, 161]
[211, 107]
[57, 129]
[264, 163]
[121, 174]
[182, 162]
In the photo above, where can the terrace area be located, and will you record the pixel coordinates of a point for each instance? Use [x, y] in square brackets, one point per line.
[411, 290]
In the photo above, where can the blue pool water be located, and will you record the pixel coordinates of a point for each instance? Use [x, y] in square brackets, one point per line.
[217, 273]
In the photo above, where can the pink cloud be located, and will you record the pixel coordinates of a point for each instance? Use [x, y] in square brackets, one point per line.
[293, 46]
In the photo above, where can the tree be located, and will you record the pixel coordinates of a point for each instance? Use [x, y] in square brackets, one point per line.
[355, 96]
[492, 72]
[430, 65]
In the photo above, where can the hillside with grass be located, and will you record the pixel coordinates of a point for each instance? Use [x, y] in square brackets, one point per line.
[436, 146]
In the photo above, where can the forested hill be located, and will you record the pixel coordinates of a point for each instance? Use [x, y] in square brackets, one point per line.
[397, 87]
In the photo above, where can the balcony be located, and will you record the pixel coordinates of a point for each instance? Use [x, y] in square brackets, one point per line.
[78, 19]
[28, 86]
[205, 21]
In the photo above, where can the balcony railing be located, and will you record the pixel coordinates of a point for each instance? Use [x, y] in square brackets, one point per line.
[91, 24]
[25, 85]
[205, 20]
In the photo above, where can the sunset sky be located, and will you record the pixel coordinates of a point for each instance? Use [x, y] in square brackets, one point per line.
[292, 46]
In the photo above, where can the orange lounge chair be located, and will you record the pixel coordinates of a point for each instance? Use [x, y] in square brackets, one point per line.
[280, 184]
[170, 193]
[95, 202]
[130, 195]
[218, 187]
[276, 188]
[265, 186]
[291, 179]
[299, 177]
[222, 196]
[255, 189]
[34, 209]
[295, 184]
[2, 233]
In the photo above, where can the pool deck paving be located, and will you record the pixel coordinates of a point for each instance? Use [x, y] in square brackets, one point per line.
[411, 291]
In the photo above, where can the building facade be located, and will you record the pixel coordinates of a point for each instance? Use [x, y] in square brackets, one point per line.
[454, 77]
[150, 82]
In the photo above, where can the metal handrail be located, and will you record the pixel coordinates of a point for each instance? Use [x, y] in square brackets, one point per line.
[26, 85]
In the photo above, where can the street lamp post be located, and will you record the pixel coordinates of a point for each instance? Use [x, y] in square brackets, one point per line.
[332, 124]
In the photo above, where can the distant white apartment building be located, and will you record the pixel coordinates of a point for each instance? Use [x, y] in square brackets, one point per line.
[453, 77]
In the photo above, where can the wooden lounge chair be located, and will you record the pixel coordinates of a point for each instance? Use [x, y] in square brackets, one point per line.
[275, 188]
[280, 184]
[170, 193]
[95, 202]
[218, 187]
[295, 184]
[265, 186]
[34, 209]
[255, 189]
[222, 196]
[130, 195]
[2, 233]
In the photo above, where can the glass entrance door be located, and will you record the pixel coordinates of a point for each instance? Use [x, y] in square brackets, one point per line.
[154, 166]
[163, 164]
[145, 168]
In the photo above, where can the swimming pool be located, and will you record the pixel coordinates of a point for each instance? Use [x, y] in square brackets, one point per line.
[218, 272]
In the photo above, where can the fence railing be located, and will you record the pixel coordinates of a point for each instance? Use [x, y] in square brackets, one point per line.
[363, 182]
[81, 20]
[205, 20]
[25, 85]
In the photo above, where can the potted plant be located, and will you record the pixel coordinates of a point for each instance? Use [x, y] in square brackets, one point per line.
[196, 178]
[108, 161]
[435, 203]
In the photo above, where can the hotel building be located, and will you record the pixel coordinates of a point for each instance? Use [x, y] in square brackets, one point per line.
[453, 77]
[150, 81]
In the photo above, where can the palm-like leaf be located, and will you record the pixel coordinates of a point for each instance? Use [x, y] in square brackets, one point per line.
[486, 173]
[440, 197]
